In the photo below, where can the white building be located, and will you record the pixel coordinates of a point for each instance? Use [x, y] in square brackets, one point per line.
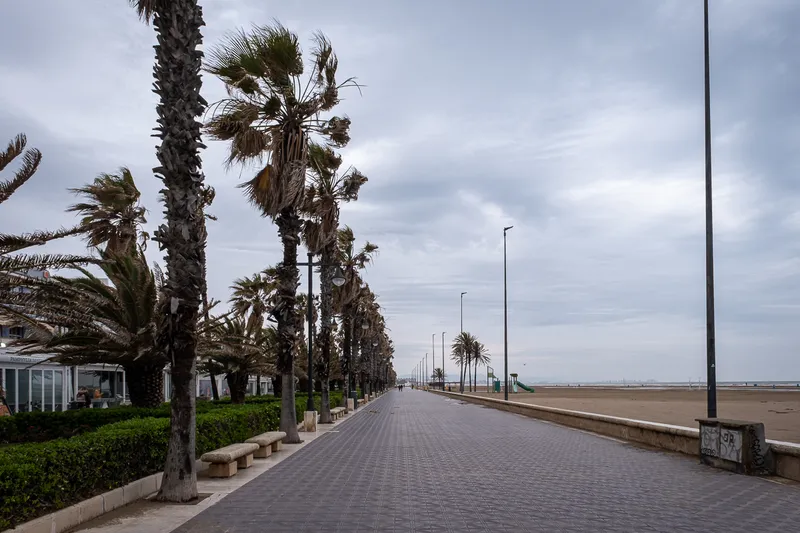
[32, 383]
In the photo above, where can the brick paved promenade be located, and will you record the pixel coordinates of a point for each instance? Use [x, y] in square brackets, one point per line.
[413, 461]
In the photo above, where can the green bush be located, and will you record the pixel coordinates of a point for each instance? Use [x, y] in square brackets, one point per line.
[39, 478]
[44, 426]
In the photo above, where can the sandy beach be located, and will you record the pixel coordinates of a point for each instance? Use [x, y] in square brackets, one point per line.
[779, 410]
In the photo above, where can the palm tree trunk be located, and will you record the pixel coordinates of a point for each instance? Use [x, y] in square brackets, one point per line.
[347, 347]
[289, 321]
[178, 83]
[475, 377]
[145, 384]
[469, 369]
[461, 383]
[237, 382]
[258, 384]
[326, 315]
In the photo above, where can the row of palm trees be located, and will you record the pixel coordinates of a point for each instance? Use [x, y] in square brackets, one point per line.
[468, 352]
[274, 116]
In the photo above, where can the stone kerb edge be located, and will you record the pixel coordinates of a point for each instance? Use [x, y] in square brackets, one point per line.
[75, 515]
[664, 436]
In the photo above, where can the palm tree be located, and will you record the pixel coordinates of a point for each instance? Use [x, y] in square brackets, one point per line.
[84, 320]
[269, 115]
[437, 375]
[238, 351]
[327, 190]
[352, 260]
[480, 356]
[177, 84]
[254, 296]
[111, 213]
[14, 266]
[462, 347]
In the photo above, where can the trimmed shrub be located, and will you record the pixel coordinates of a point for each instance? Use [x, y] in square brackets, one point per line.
[39, 478]
[44, 426]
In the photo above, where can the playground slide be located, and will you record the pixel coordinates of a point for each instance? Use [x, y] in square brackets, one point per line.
[525, 387]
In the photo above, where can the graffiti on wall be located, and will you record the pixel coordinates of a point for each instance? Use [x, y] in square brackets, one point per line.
[709, 440]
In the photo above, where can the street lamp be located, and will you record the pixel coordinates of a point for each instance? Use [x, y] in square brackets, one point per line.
[505, 309]
[462, 311]
[443, 361]
[338, 280]
[711, 348]
[461, 382]
[433, 352]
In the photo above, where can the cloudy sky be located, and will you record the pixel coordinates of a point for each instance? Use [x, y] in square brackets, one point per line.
[578, 122]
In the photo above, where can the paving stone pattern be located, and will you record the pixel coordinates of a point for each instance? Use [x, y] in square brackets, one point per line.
[413, 461]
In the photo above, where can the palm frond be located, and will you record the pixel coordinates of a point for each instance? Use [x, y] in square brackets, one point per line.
[30, 163]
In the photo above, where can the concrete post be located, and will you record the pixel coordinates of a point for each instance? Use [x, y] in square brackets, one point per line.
[310, 421]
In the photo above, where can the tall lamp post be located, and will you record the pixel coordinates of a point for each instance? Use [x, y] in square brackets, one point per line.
[433, 352]
[443, 361]
[461, 377]
[505, 311]
[338, 280]
[425, 375]
[711, 348]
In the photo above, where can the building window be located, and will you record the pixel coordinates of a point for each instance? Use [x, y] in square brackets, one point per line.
[24, 390]
[58, 390]
[11, 389]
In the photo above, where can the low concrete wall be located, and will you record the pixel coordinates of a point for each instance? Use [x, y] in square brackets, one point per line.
[664, 436]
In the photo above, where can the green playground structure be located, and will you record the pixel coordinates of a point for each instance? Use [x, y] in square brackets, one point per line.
[493, 383]
[525, 387]
[516, 383]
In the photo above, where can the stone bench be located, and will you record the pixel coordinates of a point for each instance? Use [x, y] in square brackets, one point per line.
[226, 461]
[337, 412]
[267, 443]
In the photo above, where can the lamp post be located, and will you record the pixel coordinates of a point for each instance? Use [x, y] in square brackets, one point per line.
[711, 348]
[352, 378]
[433, 352]
[505, 310]
[425, 375]
[372, 372]
[338, 280]
[461, 382]
[443, 361]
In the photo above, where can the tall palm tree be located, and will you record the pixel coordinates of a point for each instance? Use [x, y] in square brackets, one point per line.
[207, 198]
[480, 356]
[461, 351]
[13, 265]
[177, 84]
[270, 114]
[112, 215]
[326, 191]
[353, 260]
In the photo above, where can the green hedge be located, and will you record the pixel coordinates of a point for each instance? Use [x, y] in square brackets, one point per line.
[39, 478]
[43, 426]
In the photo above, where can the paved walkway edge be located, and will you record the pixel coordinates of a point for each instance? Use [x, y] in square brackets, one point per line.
[82, 512]
[664, 436]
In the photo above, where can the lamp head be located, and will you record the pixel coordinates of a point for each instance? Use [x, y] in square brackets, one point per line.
[338, 277]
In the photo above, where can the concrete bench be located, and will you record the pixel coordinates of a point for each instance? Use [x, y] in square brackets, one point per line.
[337, 412]
[267, 443]
[226, 461]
